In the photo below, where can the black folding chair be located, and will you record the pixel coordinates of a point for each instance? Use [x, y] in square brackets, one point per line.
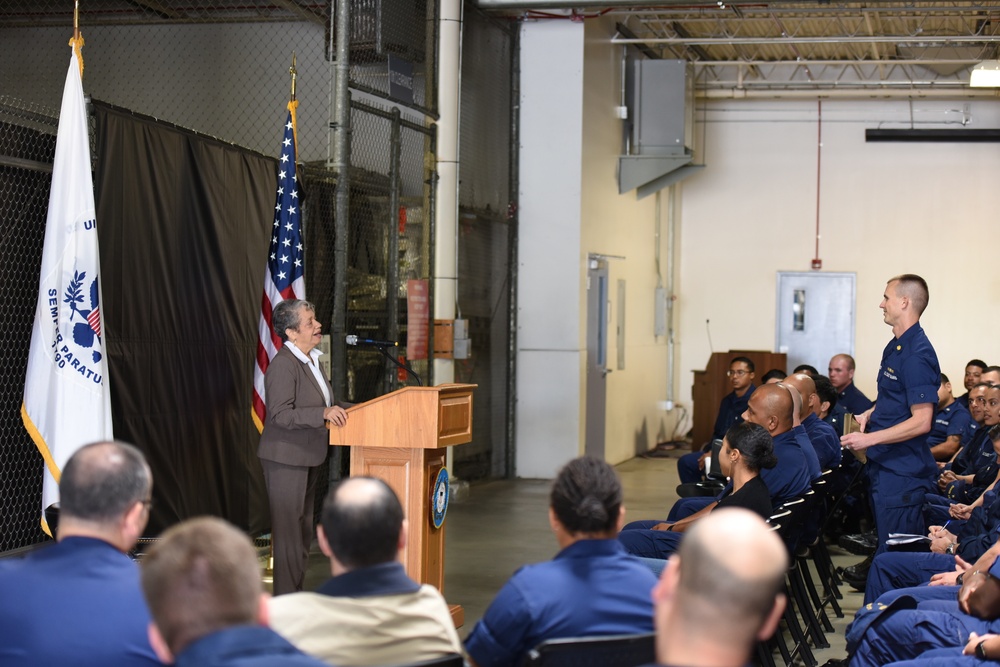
[601, 651]
[450, 660]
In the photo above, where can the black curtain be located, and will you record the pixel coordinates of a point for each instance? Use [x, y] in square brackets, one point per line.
[184, 223]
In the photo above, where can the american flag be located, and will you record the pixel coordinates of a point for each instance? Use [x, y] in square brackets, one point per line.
[285, 276]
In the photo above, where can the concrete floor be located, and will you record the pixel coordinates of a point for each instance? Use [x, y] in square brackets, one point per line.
[503, 525]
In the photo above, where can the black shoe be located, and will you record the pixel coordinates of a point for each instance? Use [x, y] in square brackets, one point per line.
[834, 662]
[857, 575]
[863, 544]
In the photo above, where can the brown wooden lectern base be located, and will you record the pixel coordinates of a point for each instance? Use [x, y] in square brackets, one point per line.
[401, 438]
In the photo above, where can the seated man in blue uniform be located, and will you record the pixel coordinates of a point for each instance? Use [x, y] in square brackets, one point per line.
[801, 436]
[824, 439]
[973, 374]
[908, 634]
[203, 585]
[78, 602]
[691, 467]
[950, 422]
[954, 493]
[592, 587]
[969, 541]
[771, 407]
[958, 482]
[849, 397]
[830, 410]
[721, 593]
[901, 470]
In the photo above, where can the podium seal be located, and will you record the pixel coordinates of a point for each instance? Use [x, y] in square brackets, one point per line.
[439, 498]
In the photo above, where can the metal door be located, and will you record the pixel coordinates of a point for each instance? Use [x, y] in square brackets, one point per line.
[597, 353]
[815, 314]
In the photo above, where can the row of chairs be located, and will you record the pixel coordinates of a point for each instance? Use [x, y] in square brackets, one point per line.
[603, 651]
[812, 585]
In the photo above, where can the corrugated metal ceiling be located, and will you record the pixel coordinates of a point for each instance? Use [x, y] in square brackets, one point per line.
[801, 45]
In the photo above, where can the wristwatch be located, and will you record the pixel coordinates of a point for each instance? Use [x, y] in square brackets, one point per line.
[951, 549]
[981, 650]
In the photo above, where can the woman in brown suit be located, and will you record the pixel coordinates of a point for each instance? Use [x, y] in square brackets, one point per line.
[299, 402]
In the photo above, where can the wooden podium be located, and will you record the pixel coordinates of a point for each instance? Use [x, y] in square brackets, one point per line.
[711, 384]
[401, 438]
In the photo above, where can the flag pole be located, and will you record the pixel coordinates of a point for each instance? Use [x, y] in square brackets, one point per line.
[77, 41]
[293, 105]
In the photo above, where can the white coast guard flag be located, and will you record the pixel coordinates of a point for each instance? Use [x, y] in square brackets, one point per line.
[67, 403]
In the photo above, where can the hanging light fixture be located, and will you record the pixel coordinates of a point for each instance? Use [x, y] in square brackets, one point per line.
[986, 75]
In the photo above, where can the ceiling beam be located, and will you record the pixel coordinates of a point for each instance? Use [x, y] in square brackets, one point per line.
[301, 12]
[826, 39]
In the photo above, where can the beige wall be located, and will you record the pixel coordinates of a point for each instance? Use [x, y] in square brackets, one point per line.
[885, 208]
[614, 224]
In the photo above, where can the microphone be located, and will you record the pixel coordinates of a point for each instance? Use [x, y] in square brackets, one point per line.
[708, 330]
[354, 340]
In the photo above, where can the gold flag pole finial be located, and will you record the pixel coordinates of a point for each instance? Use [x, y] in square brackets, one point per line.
[77, 41]
[293, 105]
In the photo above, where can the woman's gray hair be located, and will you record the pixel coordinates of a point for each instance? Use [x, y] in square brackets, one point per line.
[286, 315]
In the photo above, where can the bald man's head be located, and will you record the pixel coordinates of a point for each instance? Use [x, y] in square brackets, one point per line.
[727, 574]
[771, 406]
[362, 522]
[806, 387]
[102, 480]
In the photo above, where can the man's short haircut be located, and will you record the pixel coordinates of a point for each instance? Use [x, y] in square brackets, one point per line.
[286, 316]
[826, 391]
[978, 363]
[991, 369]
[807, 369]
[102, 480]
[774, 373]
[201, 577]
[915, 289]
[944, 378]
[745, 360]
[850, 360]
[362, 528]
[587, 496]
[994, 433]
[754, 444]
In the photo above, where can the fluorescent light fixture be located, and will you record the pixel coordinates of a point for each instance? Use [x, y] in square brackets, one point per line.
[986, 75]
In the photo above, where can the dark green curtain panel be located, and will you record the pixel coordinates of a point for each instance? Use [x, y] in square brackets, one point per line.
[184, 223]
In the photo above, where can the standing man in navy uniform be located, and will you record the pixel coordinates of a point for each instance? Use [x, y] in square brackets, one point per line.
[893, 433]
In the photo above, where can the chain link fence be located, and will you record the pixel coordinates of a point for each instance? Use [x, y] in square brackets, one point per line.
[221, 69]
[27, 147]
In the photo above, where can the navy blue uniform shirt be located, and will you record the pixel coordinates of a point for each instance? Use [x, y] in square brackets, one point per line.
[908, 375]
[592, 587]
[853, 400]
[950, 421]
[731, 409]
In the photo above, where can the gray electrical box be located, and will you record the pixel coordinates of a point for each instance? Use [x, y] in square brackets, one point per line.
[658, 126]
[658, 106]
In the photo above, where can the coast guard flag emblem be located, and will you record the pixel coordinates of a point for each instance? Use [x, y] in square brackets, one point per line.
[67, 402]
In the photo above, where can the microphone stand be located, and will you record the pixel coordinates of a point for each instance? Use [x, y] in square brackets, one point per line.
[405, 367]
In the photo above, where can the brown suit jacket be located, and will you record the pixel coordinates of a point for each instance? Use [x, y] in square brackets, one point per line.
[294, 430]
